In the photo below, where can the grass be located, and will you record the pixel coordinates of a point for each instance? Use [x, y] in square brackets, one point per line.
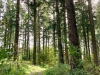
[64, 69]
[60, 69]
[18, 68]
[25, 68]
[28, 68]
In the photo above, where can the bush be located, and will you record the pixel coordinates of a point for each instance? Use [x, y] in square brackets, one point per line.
[47, 57]
[91, 68]
[6, 53]
[77, 72]
[10, 68]
[64, 69]
[60, 69]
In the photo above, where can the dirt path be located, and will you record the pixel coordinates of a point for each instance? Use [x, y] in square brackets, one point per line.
[39, 73]
[36, 73]
[31, 73]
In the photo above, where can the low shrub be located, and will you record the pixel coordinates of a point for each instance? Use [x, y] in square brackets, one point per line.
[77, 72]
[60, 69]
[7, 68]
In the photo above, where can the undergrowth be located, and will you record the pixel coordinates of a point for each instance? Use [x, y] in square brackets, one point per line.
[18, 68]
[64, 69]
[25, 68]
[11, 68]
[60, 69]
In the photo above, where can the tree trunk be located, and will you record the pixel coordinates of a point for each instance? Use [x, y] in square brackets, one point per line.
[61, 60]
[73, 35]
[25, 44]
[5, 37]
[92, 30]
[43, 39]
[54, 45]
[39, 46]
[84, 36]
[88, 42]
[16, 31]
[65, 33]
[28, 50]
[48, 41]
[35, 24]
[54, 28]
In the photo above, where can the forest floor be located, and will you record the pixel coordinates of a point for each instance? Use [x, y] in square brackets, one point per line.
[36, 70]
[37, 73]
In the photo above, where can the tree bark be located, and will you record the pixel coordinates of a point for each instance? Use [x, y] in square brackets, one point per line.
[5, 37]
[16, 31]
[84, 36]
[28, 50]
[61, 60]
[65, 33]
[92, 30]
[54, 29]
[43, 39]
[88, 42]
[39, 46]
[73, 35]
[35, 24]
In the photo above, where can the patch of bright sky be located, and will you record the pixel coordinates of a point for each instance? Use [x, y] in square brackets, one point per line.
[95, 1]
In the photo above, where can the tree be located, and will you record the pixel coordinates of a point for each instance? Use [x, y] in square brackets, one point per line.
[39, 45]
[83, 27]
[65, 32]
[54, 30]
[28, 50]
[92, 30]
[16, 31]
[73, 35]
[35, 24]
[61, 60]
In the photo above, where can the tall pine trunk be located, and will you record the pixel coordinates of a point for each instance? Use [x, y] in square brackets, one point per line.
[92, 30]
[35, 24]
[65, 33]
[39, 46]
[73, 36]
[16, 31]
[84, 36]
[61, 60]
[43, 39]
[28, 50]
[54, 29]
[5, 37]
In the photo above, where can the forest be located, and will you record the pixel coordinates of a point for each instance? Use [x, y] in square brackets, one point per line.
[49, 37]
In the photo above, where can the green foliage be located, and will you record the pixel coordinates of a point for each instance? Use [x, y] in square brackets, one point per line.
[6, 53]
[77, 72]
[47, 57]
[60, 69]
[23, 54]
[64, 69]
[74, 51]
[18, 68]
[91, 68]
[10, 68]
[50, 27]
